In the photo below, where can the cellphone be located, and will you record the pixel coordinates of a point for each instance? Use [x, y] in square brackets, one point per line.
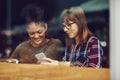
[40, 55]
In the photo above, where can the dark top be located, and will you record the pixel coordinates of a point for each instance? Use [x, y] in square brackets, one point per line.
[25, 52]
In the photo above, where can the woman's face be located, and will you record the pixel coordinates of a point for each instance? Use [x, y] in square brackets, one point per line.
[71, 29]
[36, 33]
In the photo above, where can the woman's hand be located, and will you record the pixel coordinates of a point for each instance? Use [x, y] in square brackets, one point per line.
[45, 60]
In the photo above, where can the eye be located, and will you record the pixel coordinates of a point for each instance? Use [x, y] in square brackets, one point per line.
[39, 32]
[70, 24]
[31, 33]
[63, 26]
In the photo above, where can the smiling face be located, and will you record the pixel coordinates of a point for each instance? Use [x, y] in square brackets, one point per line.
[71, 29]
[36, 32]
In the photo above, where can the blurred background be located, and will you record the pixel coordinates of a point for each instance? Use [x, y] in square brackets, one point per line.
[12, 28]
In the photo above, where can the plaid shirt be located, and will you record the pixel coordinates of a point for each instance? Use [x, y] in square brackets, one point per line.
[87, 55]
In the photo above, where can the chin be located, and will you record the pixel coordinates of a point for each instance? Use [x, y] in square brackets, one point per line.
[71, 37]
[37, 43]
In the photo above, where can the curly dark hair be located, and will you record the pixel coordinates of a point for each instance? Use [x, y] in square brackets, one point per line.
[33, 13]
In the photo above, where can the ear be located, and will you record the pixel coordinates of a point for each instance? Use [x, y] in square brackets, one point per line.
[46, 26]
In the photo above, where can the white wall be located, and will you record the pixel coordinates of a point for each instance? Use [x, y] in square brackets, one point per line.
[115, 39]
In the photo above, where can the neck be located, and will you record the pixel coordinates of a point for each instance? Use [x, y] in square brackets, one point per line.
[77, 40]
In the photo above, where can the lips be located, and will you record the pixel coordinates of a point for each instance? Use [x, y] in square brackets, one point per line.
[68, 34]
[37, 40]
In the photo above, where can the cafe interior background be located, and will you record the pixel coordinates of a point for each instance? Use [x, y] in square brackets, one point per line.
[12, 28]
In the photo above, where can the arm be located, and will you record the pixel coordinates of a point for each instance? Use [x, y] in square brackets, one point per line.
[15, 54]
[94, 54]
[54, 50]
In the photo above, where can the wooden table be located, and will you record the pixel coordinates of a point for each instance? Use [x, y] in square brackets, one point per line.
[10, 71]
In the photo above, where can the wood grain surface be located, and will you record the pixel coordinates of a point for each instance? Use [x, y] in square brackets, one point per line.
[11, 71]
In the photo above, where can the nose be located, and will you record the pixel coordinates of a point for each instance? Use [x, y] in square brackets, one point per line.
[36, 35]
[65, 29]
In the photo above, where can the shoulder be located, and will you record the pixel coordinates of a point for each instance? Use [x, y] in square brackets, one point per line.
[24, 43]
[93, 42]
[93, 39]
[53, 40]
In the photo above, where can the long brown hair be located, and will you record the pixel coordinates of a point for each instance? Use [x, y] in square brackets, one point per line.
[76, 14]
